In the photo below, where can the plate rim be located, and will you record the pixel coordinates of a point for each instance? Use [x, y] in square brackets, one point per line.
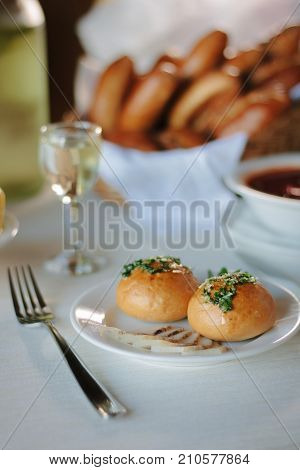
[187, 360]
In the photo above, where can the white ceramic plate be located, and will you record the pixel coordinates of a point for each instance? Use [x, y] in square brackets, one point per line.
[11, 227]
[97, 306]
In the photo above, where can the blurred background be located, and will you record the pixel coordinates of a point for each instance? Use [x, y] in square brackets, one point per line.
[63, 48]
[247, 22]
[45, 79]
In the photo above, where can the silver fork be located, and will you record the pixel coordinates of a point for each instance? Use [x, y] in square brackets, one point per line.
[36, 311]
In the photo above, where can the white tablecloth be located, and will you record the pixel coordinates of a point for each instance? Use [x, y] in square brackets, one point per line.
[173, 408]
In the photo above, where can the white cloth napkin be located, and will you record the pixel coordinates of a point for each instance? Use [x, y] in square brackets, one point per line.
[144, 29]
[175, 175]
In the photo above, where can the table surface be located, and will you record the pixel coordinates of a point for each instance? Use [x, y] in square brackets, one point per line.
[249, 405]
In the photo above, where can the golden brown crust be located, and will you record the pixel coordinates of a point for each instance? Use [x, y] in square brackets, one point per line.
[167, 60]
[110, 92]
[208, 116]
[147, 100]
[243, 62]
[269, 95]
[184, 101]
[253, 118]
[160, 297]
[197, 94]
[179, 138]
[285, 43]
[134, 140]
[204, 56]
[269, 69]
[286, 78]
[253, 313]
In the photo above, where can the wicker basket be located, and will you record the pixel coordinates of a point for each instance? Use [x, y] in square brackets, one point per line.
[283, 135]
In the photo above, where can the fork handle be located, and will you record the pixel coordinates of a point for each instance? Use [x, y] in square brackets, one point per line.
[102, 400]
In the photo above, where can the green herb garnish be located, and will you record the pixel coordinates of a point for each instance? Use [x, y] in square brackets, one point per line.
[222, 271]
[159, 264]
[223, 297]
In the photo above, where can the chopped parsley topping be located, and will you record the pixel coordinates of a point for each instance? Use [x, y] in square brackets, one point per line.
[222, 271]
[220, 290]
[159, 264]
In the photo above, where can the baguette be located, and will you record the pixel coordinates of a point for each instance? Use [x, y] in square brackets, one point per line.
[110, 93]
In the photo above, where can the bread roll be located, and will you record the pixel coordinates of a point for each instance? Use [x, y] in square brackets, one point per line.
[212, 113]
[147, 100]
[272, 96]
[157, 296]
[179, 138]
[270, 69]
[285, 79]
[243, 62]
[252, 311]
[205, 55]
[253, 118]
[111, 90]
[197, 94]
[285, 43]
[166, 60]
[134, 140]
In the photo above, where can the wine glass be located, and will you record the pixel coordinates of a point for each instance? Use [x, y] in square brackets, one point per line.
[69, 155]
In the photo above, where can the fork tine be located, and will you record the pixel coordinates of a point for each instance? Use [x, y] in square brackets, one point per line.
[36, 288]
[33, 304]
[14, 296]
[25, 305]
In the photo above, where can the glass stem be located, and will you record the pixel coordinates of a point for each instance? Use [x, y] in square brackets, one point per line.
[73, 227]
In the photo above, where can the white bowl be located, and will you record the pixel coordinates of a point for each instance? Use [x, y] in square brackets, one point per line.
[274, 255]
[278, 214]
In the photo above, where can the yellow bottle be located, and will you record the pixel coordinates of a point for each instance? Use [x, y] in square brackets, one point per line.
[23, 95]
[2, 209]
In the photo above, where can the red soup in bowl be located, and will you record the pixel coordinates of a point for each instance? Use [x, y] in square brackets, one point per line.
[284, 182]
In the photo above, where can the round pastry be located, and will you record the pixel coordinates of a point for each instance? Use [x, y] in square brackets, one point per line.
[156, 289]
[231, 307]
